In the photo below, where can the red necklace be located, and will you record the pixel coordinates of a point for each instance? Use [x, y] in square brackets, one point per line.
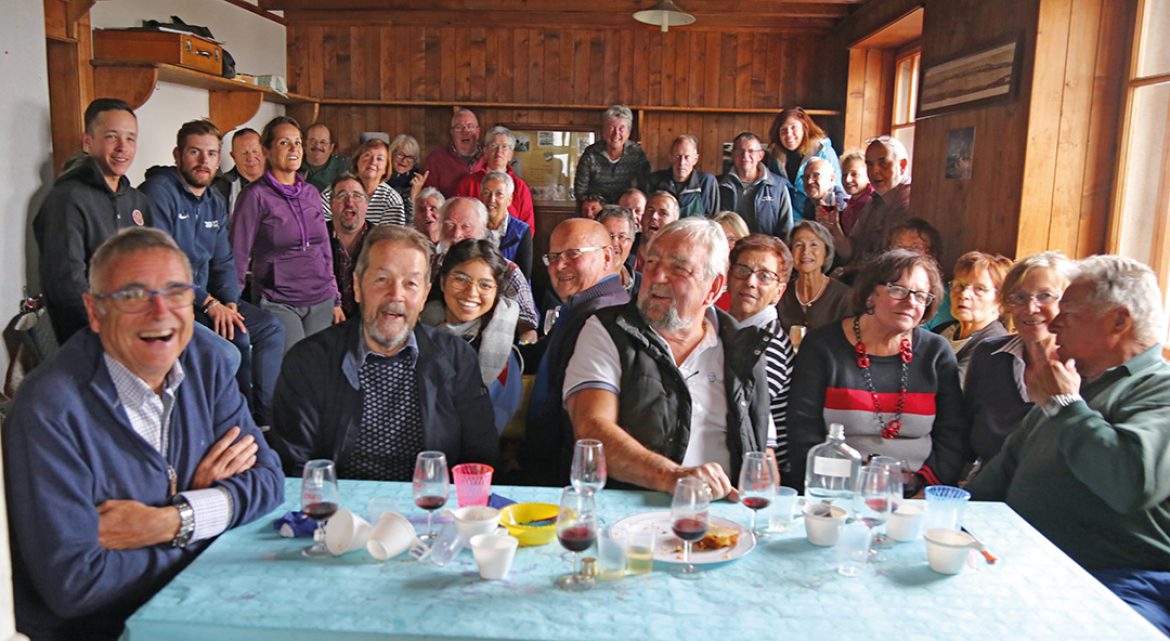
[893, 428]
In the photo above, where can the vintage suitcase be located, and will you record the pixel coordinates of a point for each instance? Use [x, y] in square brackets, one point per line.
[136, 45]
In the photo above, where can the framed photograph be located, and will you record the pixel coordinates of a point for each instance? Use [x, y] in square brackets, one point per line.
[960, 151]
[962, 82]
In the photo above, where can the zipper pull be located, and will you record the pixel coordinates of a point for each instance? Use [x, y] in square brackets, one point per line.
[174, 480]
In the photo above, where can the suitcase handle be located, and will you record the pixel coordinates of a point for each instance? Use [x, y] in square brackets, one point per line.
[198, 52]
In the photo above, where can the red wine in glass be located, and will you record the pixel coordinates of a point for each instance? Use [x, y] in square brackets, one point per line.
[430, 502]
[757, 502]
[577, 538]
[689, 529]
[321, 511]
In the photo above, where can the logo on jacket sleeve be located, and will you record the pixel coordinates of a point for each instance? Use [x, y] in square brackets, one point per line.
[136, 216]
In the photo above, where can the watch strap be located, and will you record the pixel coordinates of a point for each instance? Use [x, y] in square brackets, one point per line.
[186, 521]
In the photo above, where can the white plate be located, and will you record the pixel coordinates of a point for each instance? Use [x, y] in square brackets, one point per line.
[666, 543]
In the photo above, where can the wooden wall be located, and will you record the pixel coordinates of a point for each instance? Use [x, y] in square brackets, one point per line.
[385, 77]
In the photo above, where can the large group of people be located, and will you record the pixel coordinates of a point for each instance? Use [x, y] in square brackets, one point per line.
[218, 328]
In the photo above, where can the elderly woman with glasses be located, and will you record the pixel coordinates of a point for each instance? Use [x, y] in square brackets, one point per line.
[813, 299]
[370, 164]
[404, 176]
[892, 383]
[471, 307]
[975, 304]
[499, 144]
[997, 397]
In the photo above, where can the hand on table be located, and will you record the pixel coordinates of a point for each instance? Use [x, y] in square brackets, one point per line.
[226, 458]
[713, 475]
[128, 525]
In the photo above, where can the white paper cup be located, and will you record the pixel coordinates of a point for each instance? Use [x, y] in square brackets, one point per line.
[947, 550]
[905, 524]
[476, 519]
[346, 532]
[823, 529]
[493, 554]
[392, 536]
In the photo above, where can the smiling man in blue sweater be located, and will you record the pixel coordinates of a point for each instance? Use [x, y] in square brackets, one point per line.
[128, 451]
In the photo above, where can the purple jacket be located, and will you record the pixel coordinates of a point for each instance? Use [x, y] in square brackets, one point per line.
[280, 229]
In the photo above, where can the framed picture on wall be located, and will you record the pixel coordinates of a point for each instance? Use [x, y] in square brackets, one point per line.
[989, 74]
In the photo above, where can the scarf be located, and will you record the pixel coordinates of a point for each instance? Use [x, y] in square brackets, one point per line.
[495, 332]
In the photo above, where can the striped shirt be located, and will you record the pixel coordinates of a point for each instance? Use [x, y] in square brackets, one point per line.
[778, 365]
[385, 208]
[150, 416]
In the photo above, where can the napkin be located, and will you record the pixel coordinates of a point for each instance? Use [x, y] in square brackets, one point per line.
[499, 502]
[294, 524]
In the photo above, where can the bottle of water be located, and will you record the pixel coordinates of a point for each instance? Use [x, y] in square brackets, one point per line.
[831, 474]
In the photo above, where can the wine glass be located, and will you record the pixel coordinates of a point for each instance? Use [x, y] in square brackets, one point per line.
[873, 496]
[588, 473]
[688, 518]
[319, 500]
[896, 469]
[757, 484]
[431, 486]
[576, 531]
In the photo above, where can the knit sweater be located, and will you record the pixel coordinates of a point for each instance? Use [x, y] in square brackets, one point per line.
[597, 175]
[829, 387]
[1095, 477]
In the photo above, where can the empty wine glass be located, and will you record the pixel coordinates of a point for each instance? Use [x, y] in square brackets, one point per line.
[588, 473]
[576, 531]
[873, 496]
[688, 518]
[319, 501]
[757, 484]
[431, 486]
[896, 469]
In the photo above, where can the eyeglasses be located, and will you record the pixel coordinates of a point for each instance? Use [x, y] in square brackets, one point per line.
[136, 300]
[744, 152]
[398, 155]
[570, 255]
[465, 128]
[897, 292]
[981, 291]
[1024, 299]
[495, 146]
[621, 238]
[462, 281]
[355, 196]
[743, 272]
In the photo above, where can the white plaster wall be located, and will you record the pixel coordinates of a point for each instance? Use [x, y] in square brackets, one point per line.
[258, 45]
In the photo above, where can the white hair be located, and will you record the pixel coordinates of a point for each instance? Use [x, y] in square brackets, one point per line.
[499, 130]
[1117, 281]
[481, 211]
[502, 177]
[431, 192]
[618, 112]
[705, 233]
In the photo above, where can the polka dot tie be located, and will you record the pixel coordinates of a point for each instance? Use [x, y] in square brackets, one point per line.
[391, 426]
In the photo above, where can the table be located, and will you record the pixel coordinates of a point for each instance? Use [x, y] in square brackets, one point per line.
[252, 585]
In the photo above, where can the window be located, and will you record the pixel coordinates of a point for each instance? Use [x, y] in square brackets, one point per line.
[1141, 211]
[906, 69]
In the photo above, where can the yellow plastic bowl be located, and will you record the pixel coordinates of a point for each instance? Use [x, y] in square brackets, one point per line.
[515, 517]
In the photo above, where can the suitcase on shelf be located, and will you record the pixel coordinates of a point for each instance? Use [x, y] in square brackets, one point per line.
[137, 45]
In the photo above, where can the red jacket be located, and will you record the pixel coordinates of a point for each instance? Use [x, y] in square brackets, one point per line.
[521, 207]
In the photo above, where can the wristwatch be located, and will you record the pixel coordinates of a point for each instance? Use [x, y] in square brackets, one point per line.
[1057, 402]
[186, 521]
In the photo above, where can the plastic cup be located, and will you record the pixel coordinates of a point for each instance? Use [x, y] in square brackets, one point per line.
[944, 506]
[493, 554]
[346, 532]
[853, 549]
[392, 535]
[476, 519]
[782, 510]
[611, 553]
[447, 544]
[473, 483]
[905, 524]
[823, 526]
[947, 550]
[379, 505]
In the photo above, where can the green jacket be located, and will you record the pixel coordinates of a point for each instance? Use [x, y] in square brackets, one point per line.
[1095, 478]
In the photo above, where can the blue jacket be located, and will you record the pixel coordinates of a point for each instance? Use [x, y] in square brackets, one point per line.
[773, 204]
[199, 224]
[69, 446]
[698, 196]
[516, 245]
[796, 188]
[317, 412]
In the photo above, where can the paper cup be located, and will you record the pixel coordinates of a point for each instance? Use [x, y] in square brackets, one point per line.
[392, 536]
[476, 519]
[346, 532]
[823, 529]
[473, 483]
[493, 554]
[947, 550]
[905, 524]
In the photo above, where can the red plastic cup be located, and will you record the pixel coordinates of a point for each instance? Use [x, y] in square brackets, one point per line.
[473, 483]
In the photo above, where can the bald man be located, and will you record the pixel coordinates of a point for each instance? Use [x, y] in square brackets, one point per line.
[582, 269]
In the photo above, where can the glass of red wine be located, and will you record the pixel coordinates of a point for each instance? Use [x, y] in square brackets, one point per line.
[577, 531]
[757, 484]
[688, 519]
[431, 485]
[319, 501]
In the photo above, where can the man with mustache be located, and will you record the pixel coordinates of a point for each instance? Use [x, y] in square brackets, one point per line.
[197, 218]
[321, 167]
[347, 232]
[374, 391]
[669, 384]
[446, 166]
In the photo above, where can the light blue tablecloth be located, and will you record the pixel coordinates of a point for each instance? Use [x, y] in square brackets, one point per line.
[251, 585]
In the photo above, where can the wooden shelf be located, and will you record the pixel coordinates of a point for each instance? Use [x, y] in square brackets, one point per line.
[230, 102]
[348, 102]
